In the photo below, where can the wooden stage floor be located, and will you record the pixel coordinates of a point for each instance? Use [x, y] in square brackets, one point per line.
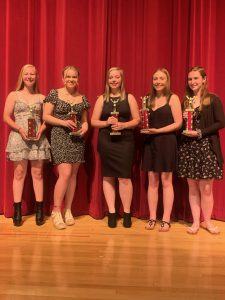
[91, 261]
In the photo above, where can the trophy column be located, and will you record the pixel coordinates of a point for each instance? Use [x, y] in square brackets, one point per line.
[144, 114]
[189, 110]
[72, 116]
[31, 124]
[115, 114]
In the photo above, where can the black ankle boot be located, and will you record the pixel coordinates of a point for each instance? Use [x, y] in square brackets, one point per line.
[17, 217]
[127, 220]
[39, 213]
[112, 220]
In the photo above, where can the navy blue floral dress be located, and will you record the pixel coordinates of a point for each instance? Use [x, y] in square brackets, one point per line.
[196, 160]
[66, 148]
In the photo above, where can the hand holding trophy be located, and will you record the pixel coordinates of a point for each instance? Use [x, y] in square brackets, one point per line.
[31, 124]
[144, 115]
[73, 117]
[189, 110]
[115, 114]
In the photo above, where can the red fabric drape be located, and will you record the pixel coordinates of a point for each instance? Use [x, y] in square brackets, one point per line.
[137, 35]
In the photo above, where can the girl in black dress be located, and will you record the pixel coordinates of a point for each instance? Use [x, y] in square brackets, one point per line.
[160, 147]
[200, 157]
[115, 142]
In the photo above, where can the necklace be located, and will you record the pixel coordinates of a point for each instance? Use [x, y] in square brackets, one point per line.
[71, 98]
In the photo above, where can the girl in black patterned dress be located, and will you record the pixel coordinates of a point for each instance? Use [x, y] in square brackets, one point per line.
[67, 149]
[200, 157]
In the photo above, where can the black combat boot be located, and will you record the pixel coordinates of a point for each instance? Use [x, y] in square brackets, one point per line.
[17, 217]
[39, 213]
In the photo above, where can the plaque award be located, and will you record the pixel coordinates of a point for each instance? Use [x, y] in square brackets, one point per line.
[189, 110]
[73, 117]
[115, 114]
[144, 114]
[31, 125]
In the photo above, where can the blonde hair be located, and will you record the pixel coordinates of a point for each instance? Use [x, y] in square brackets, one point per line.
[67, 68]
[204, 96]
[166, 90]
[20, 82]
[107, 87]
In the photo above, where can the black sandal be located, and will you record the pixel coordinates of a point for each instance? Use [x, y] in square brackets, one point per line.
[150, 224]
[165, 226]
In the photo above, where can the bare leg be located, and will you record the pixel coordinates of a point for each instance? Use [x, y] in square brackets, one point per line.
[20, 171]
[109, 192]
[168, 195]
[71, 186]
[65, 171]
[153, 187]
[195, 203]
[126, 193]
[37, 177]
[206, 189]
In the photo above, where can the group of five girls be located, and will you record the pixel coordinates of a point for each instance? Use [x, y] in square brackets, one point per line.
[197, 156]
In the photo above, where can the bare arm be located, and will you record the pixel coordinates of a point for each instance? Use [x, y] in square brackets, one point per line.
[96, 115]
[8, 111]
[84, 123]
[177, 117]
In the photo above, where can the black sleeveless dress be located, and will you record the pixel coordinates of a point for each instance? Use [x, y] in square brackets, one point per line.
[160, 150]
[116, 152]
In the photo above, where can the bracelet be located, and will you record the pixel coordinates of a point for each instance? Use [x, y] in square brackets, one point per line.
[199, 133]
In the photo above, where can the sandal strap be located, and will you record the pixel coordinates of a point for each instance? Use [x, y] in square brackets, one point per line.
[165, 222]
[151, 221]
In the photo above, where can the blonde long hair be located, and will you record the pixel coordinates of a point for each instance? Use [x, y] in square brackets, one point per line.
[166, 91]
[107, 87]
[204, 96]
[20, 83]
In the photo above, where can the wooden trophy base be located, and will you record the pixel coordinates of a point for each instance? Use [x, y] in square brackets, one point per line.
[115, 133]
[144, 131]
[32, 139]
[74, 133]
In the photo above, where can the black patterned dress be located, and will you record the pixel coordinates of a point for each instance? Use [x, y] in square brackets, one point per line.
[116, 151]
[66, 148]
[196, 160]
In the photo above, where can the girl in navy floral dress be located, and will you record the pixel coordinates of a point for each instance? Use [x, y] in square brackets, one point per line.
[200, 157]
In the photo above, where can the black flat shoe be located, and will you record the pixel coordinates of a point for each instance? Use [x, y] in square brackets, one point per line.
[127, 220]
[112, 220]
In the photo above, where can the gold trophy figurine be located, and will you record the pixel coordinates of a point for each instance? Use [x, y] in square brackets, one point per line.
[189, 110]
[73, 117]
[144, 114]
[115, 114]
[31, 124]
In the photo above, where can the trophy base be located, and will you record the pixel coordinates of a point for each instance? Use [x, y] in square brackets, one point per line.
[144, 131]
[32, 139]
[74, 133]
[115, 133]
[185, 131]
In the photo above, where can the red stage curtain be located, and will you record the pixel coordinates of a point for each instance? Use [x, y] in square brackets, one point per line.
[137, 35]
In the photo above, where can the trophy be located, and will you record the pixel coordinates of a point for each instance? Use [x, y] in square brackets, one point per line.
[31, 125]
[144, 114]
[73, 117]
[189, 110]
[115, 114]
